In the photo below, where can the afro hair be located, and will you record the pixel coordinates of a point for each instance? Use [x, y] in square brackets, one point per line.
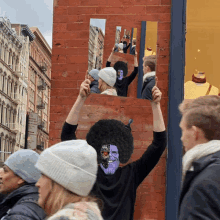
[120, 65]
[111, 131]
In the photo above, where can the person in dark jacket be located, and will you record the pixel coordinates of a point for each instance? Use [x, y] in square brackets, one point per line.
[93, 77]
[133, 48]
[125, 44]
[17, 182]
[149, 78]
[116, 186]
[200, 197]
[123, 81]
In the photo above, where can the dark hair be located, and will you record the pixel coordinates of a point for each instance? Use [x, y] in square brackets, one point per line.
[120, 65]
[111, 131]
[150, 64]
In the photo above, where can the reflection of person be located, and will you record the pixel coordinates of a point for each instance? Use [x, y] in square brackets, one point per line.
[125, 44]
[107, 79]
[200, 197]
[113, 141]
[18, 184]
[149, 66]
[68, 174]
[120, 48]
[133, 48]
[199, 87]
[122, 82]
[93, 77]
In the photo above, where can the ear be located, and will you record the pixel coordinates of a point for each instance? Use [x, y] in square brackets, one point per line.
[20, 181]
[198, 133]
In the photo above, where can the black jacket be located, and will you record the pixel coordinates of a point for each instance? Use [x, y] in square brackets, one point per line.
[200, 196]
[94, 87]
[146, 92]
[21, 204]
[122, 85]
[133, 50]
[118, 191]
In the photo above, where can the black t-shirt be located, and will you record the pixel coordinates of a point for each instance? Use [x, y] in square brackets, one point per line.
[122, 85]
[118, 191]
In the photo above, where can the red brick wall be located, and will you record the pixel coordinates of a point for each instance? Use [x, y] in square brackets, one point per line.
[70, 62]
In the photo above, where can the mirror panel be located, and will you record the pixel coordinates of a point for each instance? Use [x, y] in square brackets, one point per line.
[123, 59]
[202, 50]
[96, 43]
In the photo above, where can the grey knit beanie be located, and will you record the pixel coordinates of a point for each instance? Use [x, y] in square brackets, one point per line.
[94, 74]
[22, 164]
[72, 164]
[108, 75]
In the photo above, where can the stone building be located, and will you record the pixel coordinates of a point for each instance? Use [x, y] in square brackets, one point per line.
[99, 48]
[14, 61]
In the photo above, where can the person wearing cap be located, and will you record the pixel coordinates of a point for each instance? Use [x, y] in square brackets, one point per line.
[93, 77]
[107, 79]
[113, 141]
[69, 172]
[123, 81]
[17, 182]
[149, 78]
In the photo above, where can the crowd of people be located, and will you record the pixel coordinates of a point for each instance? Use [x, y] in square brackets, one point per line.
[82, 179]
[114, 81]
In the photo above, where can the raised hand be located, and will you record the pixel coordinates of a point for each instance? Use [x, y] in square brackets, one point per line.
[156, 94]
[85, 88]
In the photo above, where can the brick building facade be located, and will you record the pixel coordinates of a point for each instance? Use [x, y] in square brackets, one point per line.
[39, 85]
[70, 62]
[14, 61]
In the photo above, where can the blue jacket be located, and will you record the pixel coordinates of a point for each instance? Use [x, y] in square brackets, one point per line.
[200, 197]
[146, 92]
[94, 87]
[21, 204]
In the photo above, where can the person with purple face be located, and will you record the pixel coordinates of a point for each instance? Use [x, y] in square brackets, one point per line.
[116, 186]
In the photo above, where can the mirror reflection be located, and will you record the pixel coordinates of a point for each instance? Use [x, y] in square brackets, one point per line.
[120, 70]
[202, 48]
[96, 43]
[149, 60]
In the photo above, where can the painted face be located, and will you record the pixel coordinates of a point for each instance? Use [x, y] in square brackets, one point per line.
[110, 159]
[120, 74]
[44, 185]
[8, 180]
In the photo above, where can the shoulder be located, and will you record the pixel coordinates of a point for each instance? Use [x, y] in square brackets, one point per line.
[80, 210]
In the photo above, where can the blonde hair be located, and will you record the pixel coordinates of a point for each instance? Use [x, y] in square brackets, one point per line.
[204, 113]
[60, 197]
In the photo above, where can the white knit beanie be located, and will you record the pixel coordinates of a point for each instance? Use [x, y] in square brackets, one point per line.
[72, 164]
[120, 46]
[108, 75]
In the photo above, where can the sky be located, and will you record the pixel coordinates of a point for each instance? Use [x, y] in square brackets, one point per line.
[98, 23]
[34, 13]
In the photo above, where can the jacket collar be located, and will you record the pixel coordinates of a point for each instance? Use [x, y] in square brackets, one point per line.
[20, 192]
[147, 75]
[197, 167]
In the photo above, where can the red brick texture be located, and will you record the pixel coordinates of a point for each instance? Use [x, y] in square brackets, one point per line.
[69, 65]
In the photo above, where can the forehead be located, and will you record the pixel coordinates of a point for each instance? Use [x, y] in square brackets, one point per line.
[113, 148]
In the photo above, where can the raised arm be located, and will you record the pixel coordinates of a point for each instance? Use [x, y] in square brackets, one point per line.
[135, 72]
[158, 122]
[151, 156]
[110, 56]
[70, 125]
